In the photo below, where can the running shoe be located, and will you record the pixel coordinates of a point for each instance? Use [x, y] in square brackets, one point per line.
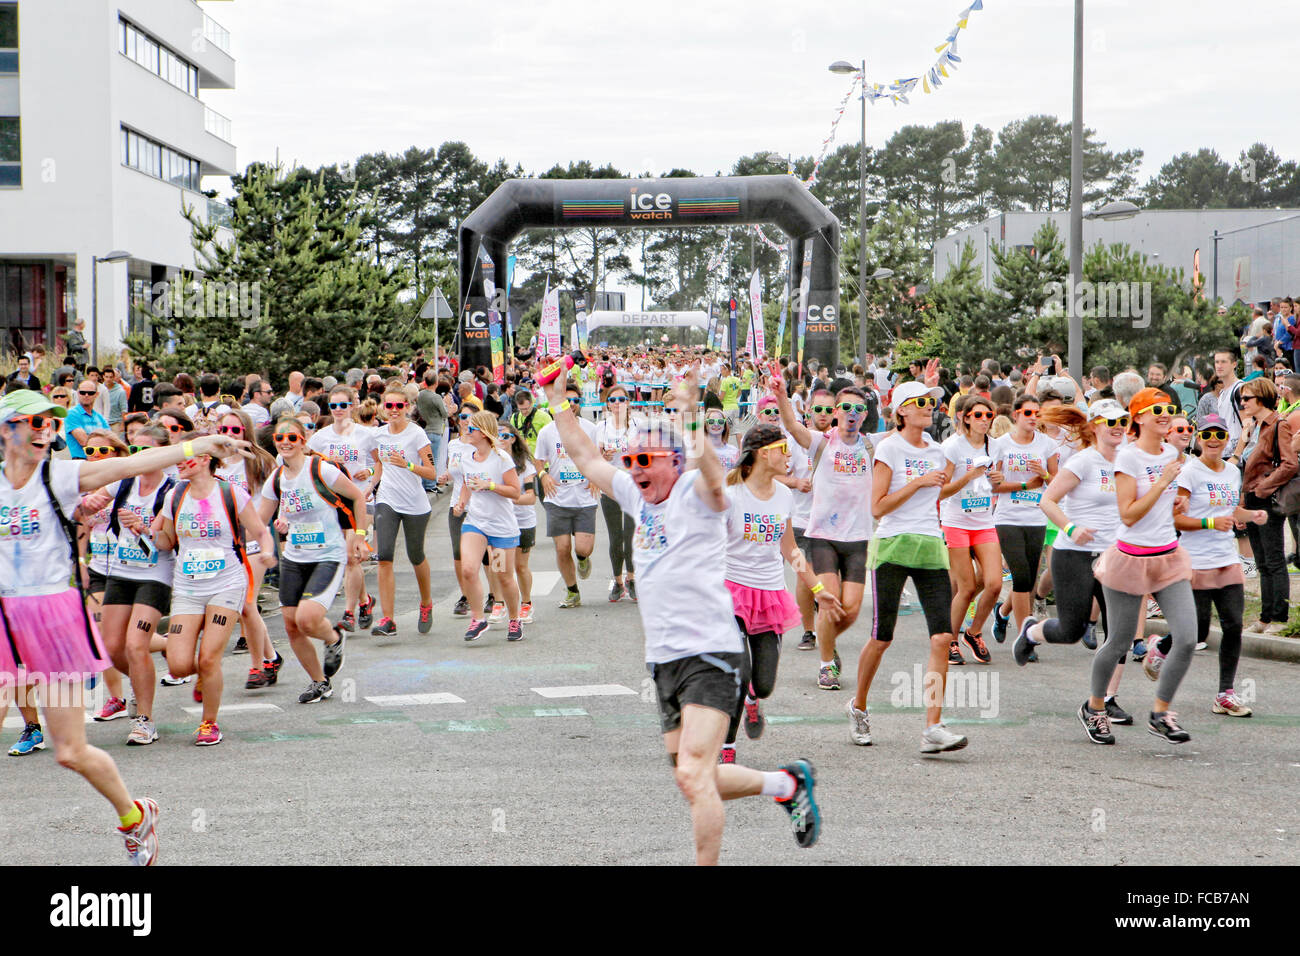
[1033, 655]
[1153, 609]
[142, 732]
[208, 734]
[1139, 649]
[808, 641]
[615, 591]
[113, 708]
[198, 691]
[1006, 577]
[630, 586]
[1276, 629]
[1166, 725]
[977, 646]
[827, 678]
[1090, 636]
[1229, 703]
[514, 631]
[241, 645]
[755, 722]
[571, 599]
[29, 741]
[584, 567]
[348, 622]
[475, 629]
[954, 654]
[316, 691]
[1117, 714]
[168, 681]
[859, 725]
[526, 613]
[805, 817]
[256, 679]
[426, 618]
[1202, 645]
[1096, 724]
[387, 627]
[487, 605]
[142, 839]
[727, 754]
[498, 613]
[334, 654]
[462, 607]
[999, 624]
[1023, 647]
[939, 739]
[272, 669]
[1152, 662]
[366, 612]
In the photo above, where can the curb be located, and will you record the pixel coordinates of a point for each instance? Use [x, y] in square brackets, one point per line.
[1252, 645]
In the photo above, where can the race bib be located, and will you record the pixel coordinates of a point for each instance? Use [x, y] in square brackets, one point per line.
[99, 544]
[571, 476]
[976, 505]
[1026, 497]
[132, 555]
[307, 535]
[202, 564]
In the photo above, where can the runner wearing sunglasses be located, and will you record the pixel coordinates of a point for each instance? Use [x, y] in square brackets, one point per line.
[613, 437]
[402, 455]
[570, 503]
[719, 432]
[525, 508]
[45, 632]
[820, 417]
[457, 448]
[694, 651]
[839, 519]
[347, 445]
[316, 551]
[759, 545]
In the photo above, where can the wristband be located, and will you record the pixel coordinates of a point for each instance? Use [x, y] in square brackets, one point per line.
[492, 486]
[187, 449]
[817, 588]
[1024, 486]
[1070, 529]
[563, 406]
[410, 466]
[1206, 524]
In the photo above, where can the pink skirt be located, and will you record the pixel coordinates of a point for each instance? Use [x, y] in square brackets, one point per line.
[1215, 578]
[49, 637]
[1141, 574]
[763, 611]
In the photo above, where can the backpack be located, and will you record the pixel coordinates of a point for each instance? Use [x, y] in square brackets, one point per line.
[344, 508]
[70, 532]
[237, 529]
[124, 491]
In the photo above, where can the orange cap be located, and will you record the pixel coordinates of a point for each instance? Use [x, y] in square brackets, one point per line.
[1146, 398]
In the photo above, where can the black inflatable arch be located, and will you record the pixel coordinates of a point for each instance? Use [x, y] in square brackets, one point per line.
[520, 204]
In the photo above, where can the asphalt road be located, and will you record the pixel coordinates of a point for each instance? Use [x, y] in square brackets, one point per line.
[498, 766]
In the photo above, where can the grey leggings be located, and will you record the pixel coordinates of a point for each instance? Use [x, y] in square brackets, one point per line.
[621, 528]
[387, 521]
[1122, 612]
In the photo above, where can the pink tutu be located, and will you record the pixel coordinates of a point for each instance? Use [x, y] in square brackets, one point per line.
[763, 611]
[46, 637]
[1141, 574]
[1215, 578]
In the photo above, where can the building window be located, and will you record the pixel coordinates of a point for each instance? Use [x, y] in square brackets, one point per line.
[137, 45]
[161, 162]
[23, 306]
[8, 38]
[11, 152]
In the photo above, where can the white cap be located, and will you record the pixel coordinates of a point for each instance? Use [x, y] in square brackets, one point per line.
[910, 390]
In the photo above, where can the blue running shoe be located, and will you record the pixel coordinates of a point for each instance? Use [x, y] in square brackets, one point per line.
[1090, 637]
[31, 740]
[1000, 624]
[1139, 649]
[805, 817]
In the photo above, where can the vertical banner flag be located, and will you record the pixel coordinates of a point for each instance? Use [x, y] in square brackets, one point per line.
[550, 326]
[708, 329]
[580, 306]
[749, 336]
[780, 326]
[488, 270]
[756, 315]
[731, 332]
[805, 282]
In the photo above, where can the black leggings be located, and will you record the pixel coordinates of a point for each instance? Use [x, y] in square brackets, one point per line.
[387, 521]
[1230, 602]
[764, 654]
[1075, 588]
[1022, 549]
[621, 528]
[933, 587]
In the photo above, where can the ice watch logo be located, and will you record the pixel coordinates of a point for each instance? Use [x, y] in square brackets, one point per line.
[649, 205]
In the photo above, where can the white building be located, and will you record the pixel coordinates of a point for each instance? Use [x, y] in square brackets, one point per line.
[103, 138]
[1254, 261]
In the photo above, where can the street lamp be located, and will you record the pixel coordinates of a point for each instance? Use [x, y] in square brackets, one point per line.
[1115, 210]
[845, 67]
[117, 255]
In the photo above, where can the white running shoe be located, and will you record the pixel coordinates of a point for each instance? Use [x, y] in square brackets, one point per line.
[859, 725]
[498, 613]
[939, 738]
[526, 614]
[142, 839]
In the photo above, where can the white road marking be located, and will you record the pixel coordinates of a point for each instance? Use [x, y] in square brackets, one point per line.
[415, 700]
[544, 582]
[233, 708]
[18, 723]
[584, 690]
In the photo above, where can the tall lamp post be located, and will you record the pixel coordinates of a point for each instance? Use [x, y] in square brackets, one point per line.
[844, 66]
[117, 255]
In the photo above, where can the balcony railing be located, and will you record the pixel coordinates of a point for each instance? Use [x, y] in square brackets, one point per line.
[216, 34]
[217, 125]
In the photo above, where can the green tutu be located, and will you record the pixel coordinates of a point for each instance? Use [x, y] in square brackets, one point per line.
[909, 551]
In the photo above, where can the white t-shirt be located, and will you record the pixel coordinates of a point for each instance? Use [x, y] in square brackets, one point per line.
[127, 559]
[526, 515]
[1013, 459]
[969, 509]
[98, 541]
[574, 490]
[800, 465]
[34, 555]
[314, 534]
[488, 511]
[728, 454]
[400, 488]
[841, 505]
[1156, 529]
[919, 514]
[259, 415]
[352, 449]
[234, 474]
[456, 450]
[609, 437]
[1064, 447]
[754, 531]
[1092, 502]
[205, 547]
[1214, 494]
[679, 552]
[1229, 413]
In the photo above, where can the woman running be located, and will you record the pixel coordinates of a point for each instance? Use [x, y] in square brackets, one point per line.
[1145, 559]
[967, 520]
[912, 472]
[525, 515]
[402, 455]
[346, 445]
[45, 633]
[613, 436]
[820, 417]
[491, 486]
[718, 429]
[457, 449]
[309, 495]
[760, 543]
[206, 521]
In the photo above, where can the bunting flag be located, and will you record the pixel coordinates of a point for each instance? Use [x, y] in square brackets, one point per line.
[488, 270]
[830, 137]
[756, 316]
[766, 241]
